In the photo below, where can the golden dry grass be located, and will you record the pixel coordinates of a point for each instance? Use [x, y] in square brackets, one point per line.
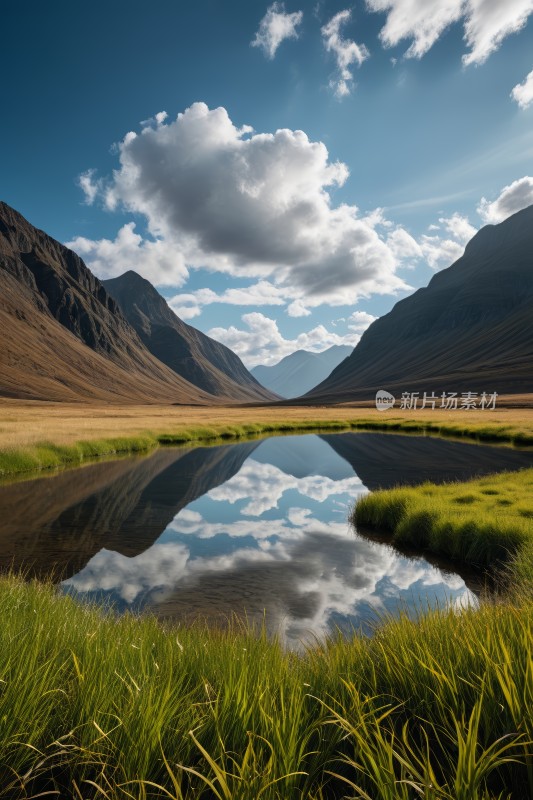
[26, 423]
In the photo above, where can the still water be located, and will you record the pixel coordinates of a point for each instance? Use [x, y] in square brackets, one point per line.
[258, 528]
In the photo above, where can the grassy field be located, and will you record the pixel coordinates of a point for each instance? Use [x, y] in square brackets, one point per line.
[483, 522]
[93, 706]
[44, 435]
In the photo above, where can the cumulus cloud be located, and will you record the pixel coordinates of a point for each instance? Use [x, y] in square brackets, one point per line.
[156, 260]
[403, 245]
[523, 92]
[486, 23]
[513, 198]
[275, 27]
[346, 52]
[257, 205]
[447, 240]
[360, 320]
[298, 309]
[262, 293]
[459, 227]
[261, 342]
[439, 252]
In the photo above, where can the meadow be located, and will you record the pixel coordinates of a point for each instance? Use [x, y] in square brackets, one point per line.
[95, 705]
[98, 706]
[36, 436]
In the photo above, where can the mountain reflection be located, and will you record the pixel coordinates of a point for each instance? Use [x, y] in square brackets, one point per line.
[258, 528]
[57, 524]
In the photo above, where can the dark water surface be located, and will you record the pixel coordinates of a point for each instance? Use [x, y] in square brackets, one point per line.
[258, 528]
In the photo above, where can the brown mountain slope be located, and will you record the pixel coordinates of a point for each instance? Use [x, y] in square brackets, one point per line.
[63, 337]
[199, 359]
[470, 329]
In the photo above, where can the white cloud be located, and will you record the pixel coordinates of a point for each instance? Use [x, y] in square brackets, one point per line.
[459, 227]
[486, 23]
[275, 27]
[418, 20]
[262, 342]
[297, 309]
[403, 245]
[156, 260]
[523, 92]
[158, 119]
[513, 198]
[262, 293]
[360, 320]
[89, 186]
[441, 251]
[489, 22]
[346, 52]
[252, 205]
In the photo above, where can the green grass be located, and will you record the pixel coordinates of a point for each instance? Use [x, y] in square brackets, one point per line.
[483, 522]
[96, 706]
[47, 455]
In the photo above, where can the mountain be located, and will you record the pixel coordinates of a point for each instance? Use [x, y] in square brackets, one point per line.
[470, 329]
[297, 373]
[199, 359]
[64, 338]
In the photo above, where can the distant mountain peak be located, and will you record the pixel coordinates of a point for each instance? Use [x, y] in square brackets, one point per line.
[299, 371]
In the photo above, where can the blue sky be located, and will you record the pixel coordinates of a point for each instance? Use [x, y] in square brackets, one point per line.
[416, 129]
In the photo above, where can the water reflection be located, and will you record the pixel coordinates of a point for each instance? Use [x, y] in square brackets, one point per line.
[257, 528]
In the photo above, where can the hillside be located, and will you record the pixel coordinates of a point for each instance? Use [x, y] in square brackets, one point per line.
[63, 336]
[208, 364]
[470, 329]
[298, 372]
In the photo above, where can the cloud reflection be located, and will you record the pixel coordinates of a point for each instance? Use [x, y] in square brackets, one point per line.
[273, 542]
[306, 575]
[265, 484]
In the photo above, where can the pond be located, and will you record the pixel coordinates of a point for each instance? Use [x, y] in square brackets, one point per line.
[258, 528]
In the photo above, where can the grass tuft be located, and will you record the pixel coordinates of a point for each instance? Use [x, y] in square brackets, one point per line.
[485, 522]
[94, 705]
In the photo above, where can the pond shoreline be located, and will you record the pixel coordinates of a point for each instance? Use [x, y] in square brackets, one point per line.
[46, 454]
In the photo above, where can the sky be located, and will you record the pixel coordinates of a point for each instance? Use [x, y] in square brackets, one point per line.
[283, 173]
